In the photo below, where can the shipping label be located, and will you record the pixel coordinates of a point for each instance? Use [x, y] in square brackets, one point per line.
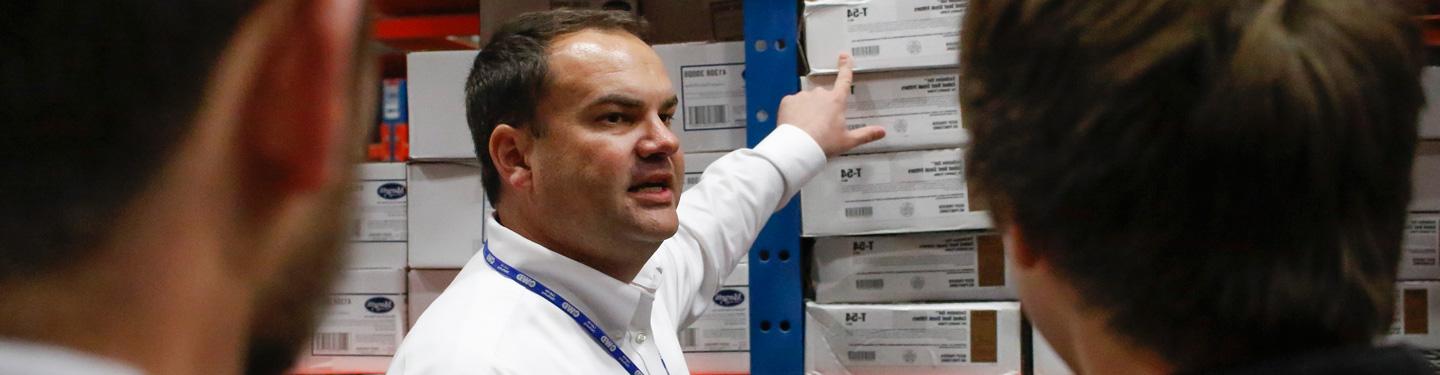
[917, 110]
[900, 187]
[878, 337]
[360, 325]
[725, 326]
[889, 32]
[1422, 243]
[712, 96]
[381, 212]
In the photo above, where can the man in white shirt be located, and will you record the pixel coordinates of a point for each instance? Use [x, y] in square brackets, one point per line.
[592, 263]
[175, 180]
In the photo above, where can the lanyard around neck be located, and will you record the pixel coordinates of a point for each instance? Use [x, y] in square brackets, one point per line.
[596, 334]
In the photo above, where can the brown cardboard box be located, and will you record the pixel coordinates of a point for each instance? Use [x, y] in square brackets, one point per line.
[680, 21]
[493, 13]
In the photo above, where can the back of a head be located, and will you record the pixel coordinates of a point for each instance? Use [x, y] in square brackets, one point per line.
[508, 78]
[95, 96]
[1226, 179]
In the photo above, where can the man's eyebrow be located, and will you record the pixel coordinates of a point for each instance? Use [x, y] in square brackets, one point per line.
[618, 99]
[670, 103]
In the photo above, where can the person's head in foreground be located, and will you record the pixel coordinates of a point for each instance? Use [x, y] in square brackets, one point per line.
[176, 180]
[1196, 185]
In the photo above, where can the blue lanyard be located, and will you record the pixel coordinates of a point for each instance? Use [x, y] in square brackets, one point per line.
[596, 334]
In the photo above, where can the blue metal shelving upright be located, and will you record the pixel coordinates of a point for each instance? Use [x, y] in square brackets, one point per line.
[777, 317]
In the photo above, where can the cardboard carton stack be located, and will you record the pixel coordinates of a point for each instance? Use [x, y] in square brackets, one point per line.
[709, 121]
[907, 279]
[365, 316]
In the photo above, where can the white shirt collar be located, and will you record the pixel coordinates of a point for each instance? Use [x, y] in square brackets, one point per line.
[613, 304]
[20, 357]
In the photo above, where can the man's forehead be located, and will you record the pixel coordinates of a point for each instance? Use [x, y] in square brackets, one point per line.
[600, 62]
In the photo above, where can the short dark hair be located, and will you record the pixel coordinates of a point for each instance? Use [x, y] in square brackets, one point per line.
[509, 75]
[96, 96]
[1227, 180]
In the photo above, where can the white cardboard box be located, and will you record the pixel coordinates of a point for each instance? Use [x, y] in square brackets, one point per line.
[381, 203]
[883, 35]
[709, 80]
[376, 255]
[1417, 314]
[719, 341]
[447, 208]
[955, 338]
[1044, 357]
[1430, 115]
[695, 164]
[937, 266]
[438, 129]
[362, 327]
[919, 109]
[1421, 259]
[424, 287]
[1426, 178]
[913, 191]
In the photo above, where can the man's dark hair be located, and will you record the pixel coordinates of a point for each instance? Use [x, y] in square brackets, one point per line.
[508, 78]
[95, 95]
[1225, 180]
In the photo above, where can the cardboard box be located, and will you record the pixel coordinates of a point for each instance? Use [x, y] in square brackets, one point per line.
[381, 207]
[1421, 259]
[447, 211]
[1430, 115]
[914, 191]
[709, 80]
[494, 13]
[376, 255]
[955, 338]
[883, 35]
[436, 85]
[681, 21]
[695, 165]
[938, 266]
[424, 287]
[919, 109]
[1044, 358]
[719, 341]
[1425, 194]
[362, 327]
[1417, 314]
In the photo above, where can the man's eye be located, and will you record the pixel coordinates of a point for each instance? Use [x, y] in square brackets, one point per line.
[666, 118]
[613, 118]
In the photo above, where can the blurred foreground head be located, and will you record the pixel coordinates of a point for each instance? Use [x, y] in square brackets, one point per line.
[175, 176]
[1216, 182]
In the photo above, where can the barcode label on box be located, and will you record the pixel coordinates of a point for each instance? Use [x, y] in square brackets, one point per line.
[860, 51]
[705, 115]
[332, 341]
[861, 355]
[866, 211]
[870, 284]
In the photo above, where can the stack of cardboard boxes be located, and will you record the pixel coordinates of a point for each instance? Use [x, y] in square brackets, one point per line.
[365, 316]
[709, 121]
[907, 277]
[1417, 300]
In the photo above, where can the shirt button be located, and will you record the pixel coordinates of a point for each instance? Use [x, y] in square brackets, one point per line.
[640, 337]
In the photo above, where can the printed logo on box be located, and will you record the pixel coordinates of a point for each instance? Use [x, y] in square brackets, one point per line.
[379, 305]
[729, 298]
[391, 191]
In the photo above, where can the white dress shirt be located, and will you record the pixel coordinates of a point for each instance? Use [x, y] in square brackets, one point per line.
[27, 358]
[486, 323]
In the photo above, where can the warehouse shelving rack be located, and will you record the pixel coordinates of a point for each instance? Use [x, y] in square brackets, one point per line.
[777, 317]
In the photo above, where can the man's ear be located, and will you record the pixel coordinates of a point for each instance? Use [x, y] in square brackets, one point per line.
[293, 114]
[510, 151]
[1020, 251]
